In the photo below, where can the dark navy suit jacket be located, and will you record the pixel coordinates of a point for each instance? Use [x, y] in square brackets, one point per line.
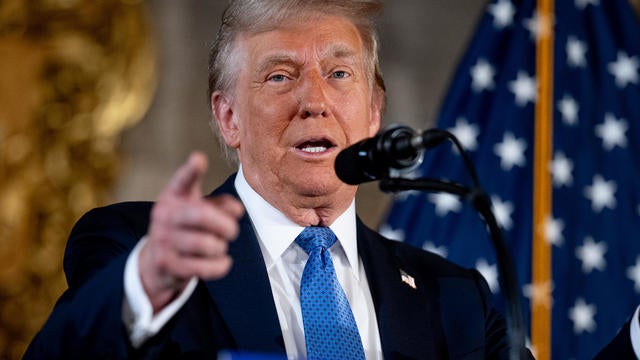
[447, 316]
[620, 348]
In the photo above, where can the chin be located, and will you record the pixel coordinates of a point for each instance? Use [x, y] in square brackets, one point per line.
[313, 184]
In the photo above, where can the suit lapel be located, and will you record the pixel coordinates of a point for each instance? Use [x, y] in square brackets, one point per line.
[244, 296]
[407, 317]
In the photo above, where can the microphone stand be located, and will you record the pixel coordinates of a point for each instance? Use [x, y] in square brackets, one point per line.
[481, 203]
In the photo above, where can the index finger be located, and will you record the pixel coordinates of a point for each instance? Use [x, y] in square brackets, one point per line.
[188, 178]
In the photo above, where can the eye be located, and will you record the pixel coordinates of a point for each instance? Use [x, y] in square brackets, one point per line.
[277, 78]
[340, 74]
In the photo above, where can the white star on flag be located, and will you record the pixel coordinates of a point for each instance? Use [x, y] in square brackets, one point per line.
[490, 274]
[539, 26]
[624, 69]
[582, 316]
[633, 273]
[601, 193]
[592, 255]
[388, 232]
[581, 4]
[568, 107]
[525, 88]
[511, 151]
[440, 250]
[466, 133]
[553, 231]
[612, 132]
[445, 203]
[539, 293]
[502, 12]
[404, 195]
[576, 52]
[561, 169]
[482, 74]
[502, 211]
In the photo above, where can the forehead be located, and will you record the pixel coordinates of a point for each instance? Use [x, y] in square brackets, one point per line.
[316, 34]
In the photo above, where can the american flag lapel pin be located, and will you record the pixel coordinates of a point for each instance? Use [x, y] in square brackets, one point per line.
[407, 279]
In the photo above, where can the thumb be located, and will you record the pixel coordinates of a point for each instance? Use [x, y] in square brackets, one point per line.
[189, 176]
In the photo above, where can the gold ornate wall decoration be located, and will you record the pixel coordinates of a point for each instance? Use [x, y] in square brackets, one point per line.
[73, 75]
[636, 5]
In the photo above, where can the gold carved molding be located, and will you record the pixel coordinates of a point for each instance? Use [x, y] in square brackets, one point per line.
[73, 75]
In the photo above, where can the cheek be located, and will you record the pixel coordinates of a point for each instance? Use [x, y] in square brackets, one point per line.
[262, 135]
[264, 117]
[271, 117]
[358, 120]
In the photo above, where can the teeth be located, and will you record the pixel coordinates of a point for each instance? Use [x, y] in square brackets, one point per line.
[314, 149]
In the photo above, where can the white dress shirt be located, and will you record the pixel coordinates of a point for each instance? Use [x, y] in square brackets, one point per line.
[284, 261]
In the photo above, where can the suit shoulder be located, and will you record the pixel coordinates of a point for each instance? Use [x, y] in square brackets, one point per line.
[620, 347]
[101, 235]
[422, 260]
[133, 215]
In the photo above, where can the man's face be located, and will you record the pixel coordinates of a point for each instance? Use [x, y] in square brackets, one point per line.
[302, 95]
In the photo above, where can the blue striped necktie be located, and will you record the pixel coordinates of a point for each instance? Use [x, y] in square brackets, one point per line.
[330, 329]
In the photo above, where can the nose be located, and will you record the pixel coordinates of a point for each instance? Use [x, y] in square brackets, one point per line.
[312, 98]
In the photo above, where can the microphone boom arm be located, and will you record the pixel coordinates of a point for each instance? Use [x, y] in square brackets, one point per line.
[506, 269]
[480, 201]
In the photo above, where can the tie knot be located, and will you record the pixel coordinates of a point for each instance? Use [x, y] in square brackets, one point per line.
[315, 236]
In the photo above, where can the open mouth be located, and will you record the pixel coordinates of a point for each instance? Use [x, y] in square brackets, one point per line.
[315, 146]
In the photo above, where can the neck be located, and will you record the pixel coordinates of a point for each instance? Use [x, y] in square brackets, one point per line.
[303, 210]
[315, 206]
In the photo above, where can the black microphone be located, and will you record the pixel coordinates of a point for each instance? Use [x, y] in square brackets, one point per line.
[394, 149]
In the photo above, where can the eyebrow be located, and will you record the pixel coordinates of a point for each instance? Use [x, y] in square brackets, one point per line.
[339, 51]
[277, 59]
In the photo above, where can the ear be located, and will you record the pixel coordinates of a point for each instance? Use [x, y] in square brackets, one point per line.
[222, 108]
[377, 104]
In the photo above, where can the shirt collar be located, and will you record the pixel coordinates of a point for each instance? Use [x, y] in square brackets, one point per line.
[276, 232]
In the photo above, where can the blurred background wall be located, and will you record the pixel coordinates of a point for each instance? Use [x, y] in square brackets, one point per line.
[101, 100]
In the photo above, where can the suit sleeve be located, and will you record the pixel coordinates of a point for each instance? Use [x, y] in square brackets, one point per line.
[86, 322]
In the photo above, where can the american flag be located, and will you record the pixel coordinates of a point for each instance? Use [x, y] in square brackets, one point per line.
[593, 228]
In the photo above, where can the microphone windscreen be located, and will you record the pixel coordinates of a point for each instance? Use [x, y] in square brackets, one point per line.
[348, 169]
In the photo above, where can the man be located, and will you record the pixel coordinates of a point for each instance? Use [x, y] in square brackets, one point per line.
[292, 83]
